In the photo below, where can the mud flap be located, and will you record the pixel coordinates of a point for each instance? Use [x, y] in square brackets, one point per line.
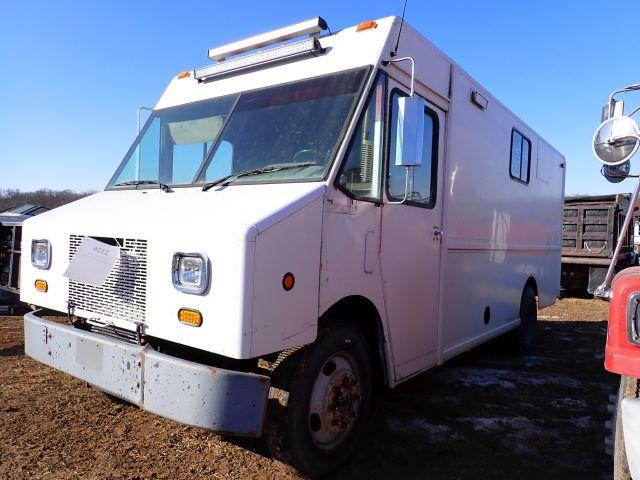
[596, 278]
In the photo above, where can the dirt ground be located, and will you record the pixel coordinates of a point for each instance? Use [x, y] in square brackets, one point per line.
[486, 414]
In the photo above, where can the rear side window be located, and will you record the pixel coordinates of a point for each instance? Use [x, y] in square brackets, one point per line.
[520, 165]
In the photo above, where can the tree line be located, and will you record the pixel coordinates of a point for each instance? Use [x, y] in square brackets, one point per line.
[44, 197]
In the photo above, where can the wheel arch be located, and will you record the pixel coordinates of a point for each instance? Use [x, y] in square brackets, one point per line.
[361, 313]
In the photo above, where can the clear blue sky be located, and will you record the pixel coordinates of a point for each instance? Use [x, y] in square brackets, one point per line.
[72, 74]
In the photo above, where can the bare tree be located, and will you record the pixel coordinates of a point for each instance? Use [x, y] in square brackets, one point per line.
[44, 197]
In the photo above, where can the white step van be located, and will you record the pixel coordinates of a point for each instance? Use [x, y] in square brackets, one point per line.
[307, 218]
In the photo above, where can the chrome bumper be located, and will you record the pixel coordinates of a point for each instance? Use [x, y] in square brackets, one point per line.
[187, 392]
[631, 431]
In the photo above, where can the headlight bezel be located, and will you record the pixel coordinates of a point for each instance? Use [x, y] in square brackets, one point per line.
[41, 241]
[204, 273]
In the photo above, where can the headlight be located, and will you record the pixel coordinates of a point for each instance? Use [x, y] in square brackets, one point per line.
[191, 272]
[41, 254]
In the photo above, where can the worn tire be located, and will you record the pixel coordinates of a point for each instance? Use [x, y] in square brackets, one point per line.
[523, 338]
[628, 389]
[292, 430]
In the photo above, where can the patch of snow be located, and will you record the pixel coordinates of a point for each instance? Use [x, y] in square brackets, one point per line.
[521, 425]
[435, 433]
[574, 403]
[504, 378]
[583, 422]
[480, 377]
[515, 433]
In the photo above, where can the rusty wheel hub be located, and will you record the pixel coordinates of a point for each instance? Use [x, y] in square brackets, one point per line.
[334, 403]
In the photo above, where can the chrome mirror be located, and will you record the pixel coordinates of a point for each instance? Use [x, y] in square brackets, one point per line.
[616, 140]
[410, 132]
[616, 173]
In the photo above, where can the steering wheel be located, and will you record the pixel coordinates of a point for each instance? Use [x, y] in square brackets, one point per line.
[306, 155]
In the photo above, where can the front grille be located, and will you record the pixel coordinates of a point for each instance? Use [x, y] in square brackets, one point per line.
[123, 294]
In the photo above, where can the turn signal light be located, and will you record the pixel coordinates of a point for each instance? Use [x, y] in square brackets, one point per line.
[190, 317]
[288, 281]
[42, 286]
[366, 25]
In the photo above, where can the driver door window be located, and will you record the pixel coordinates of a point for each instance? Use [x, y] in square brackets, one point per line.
[361, 172]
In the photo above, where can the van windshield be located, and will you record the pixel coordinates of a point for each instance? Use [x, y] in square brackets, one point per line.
[288, 132]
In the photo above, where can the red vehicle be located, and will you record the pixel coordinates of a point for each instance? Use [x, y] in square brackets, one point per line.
[616, 140]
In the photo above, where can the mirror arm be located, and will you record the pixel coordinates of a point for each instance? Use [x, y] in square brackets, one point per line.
[139, 123]
[413, 70]
[630, 88]
[139, 126]
[406, 189]
[604, 290]
[612, 140]
[634, 112]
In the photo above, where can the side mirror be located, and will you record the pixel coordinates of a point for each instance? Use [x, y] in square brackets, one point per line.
[616, 173]
[409, 132]
[616, 140]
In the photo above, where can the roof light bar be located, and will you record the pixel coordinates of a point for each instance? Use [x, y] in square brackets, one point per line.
[308, 27]
[310, 46]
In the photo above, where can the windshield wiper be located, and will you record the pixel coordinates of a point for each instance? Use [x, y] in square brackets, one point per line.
[137, 183]
[256, 171]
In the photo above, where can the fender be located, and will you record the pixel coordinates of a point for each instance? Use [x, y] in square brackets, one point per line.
[622, 354]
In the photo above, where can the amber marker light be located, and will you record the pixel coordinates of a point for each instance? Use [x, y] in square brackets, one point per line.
[288, 281]
[42, 286]
[182, 75]
[190, 317]
[366, 25]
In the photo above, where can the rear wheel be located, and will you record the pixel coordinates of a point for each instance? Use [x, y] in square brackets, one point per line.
[523, 338]
[628, 389]
[321, 402]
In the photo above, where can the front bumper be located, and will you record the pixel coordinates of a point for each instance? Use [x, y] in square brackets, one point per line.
[631, 431]
[192, 393]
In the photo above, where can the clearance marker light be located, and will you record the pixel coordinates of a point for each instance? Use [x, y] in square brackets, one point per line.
[182, 75]
[42, 286]
[366, 25]
[288, 281]
[190, 317]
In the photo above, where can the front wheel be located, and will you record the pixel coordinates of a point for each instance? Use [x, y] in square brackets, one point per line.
[315, 422]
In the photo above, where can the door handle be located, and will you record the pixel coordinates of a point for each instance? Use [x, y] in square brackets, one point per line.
[370, 250]
[437, 233]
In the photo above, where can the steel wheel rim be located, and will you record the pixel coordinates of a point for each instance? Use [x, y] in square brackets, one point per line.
[335, 401]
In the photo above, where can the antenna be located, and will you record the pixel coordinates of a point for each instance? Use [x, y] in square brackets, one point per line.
[404, 9]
